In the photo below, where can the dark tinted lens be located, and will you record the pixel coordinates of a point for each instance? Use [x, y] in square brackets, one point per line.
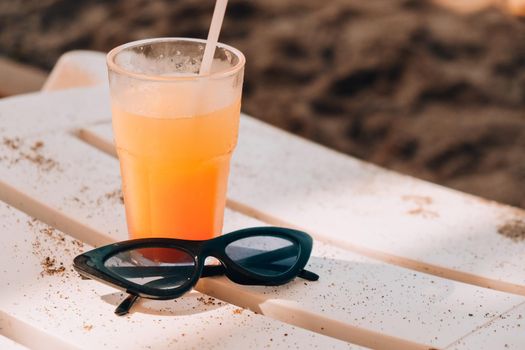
[264, 255]
[161, 268]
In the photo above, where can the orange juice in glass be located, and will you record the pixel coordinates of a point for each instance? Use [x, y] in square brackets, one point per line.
[175, 132]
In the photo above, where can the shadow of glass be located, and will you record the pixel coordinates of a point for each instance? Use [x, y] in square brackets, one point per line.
[362, 300]
[189, 304]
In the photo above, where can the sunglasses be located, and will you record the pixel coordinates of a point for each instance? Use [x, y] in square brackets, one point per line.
[165, 268]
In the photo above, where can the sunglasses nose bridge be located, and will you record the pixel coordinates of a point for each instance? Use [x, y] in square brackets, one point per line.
[210, 252]
[211, 249]
[211, 259]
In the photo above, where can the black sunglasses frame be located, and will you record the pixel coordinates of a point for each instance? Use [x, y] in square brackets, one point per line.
[91, 264]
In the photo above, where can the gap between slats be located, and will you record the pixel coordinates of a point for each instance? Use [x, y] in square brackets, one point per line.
[15, 329]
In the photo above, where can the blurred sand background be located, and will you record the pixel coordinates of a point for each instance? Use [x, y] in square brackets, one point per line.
[437, 92]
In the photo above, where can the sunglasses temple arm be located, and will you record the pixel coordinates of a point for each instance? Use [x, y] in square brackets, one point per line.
[308, 275]
[124, 307]
[213, 270]
[150, 271]
[218, 270]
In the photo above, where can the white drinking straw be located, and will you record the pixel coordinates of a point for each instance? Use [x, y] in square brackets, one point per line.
[213, 36]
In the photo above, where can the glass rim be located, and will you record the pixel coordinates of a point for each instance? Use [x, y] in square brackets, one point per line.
[113, 66]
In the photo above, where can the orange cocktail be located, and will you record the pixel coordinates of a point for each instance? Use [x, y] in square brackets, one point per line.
[175, 133]
[175, 171]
